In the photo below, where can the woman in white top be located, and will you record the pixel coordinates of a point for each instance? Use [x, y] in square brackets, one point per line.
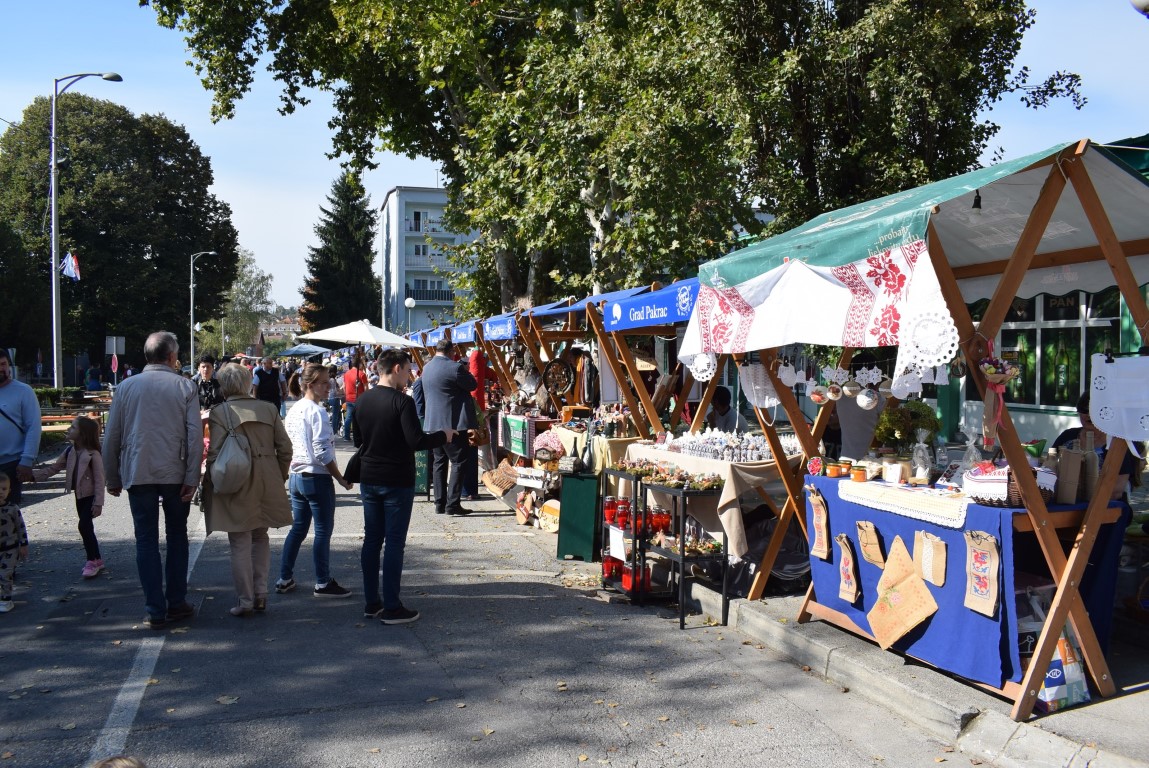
[311, 482]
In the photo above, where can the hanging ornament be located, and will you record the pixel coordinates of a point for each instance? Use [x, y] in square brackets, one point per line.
[704, 366]
[757, 386]
[834, 391]
[868, 399]
[902, 387]
[928, 338]
[942, 375]
[885, 388]
[819, 395]
[851, 388]
[786, 373]
[957, 368]
[927, 375]
[868, 376]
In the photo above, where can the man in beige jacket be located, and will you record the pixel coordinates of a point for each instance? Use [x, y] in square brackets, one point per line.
[153, 447]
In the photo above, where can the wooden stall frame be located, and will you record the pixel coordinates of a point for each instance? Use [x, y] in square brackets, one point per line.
[974, 339]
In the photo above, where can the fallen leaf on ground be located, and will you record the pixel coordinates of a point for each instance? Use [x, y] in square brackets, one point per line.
[117, 642]
[375, 750]
[68, 727]
[598, 701]
[169, 710]
[180, 631]
[227, 699]
[613, 704]
[431, 699]
[488, 731]
[461, 705]
[152, 681]
[939, 759]
[663, 719]
[583, 758]
[947, 749]
[7, 755]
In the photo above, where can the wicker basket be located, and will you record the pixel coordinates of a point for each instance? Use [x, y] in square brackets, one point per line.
[1013, 496]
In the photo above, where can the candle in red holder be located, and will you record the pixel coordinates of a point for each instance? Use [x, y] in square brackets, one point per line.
[622, 512]
[609, 506]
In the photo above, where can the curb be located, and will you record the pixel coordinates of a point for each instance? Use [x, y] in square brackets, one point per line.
[976, 723]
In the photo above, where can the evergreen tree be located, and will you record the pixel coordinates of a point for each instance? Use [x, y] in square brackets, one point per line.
[341, 284]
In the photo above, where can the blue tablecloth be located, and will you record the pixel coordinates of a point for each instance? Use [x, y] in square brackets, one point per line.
[955, 638]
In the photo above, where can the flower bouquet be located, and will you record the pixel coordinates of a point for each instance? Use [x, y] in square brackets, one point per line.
[997, 372]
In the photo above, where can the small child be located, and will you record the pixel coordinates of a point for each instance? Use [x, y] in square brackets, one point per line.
[84, 473]
[13, 542]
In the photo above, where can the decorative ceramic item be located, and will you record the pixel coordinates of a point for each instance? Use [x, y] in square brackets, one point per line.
[868, 399]
[851, 388]
[834, 392]
[786, 374]
[819, 395]
[885, 389]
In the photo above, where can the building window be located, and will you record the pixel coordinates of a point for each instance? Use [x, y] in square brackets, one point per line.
[1051, 340]
[422, 249]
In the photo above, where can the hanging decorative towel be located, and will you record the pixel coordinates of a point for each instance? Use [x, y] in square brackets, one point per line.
[930, 558]
[870, 543]
[1119, 399]
[847, 569]
[904, 601]
[982, 561]
[820, 547]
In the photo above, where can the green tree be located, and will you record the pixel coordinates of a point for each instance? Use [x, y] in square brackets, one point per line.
[341, 284]
[23, 308]
[244, 306]
[609, 141]
[133, 206]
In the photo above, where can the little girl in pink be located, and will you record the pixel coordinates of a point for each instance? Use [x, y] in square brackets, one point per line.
[84, 473]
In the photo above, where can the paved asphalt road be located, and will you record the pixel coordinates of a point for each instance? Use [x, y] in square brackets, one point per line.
[514, 663]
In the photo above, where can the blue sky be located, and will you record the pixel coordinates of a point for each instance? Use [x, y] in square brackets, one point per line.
[272, 169]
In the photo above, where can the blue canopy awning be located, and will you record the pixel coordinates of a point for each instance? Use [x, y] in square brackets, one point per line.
[464, 333]
[672, 304]
[500, 327]
[434, 335]
[580, 306]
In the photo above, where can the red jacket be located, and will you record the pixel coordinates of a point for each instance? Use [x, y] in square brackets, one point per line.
[483, 372]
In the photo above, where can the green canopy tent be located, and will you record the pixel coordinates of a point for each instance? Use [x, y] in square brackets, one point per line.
[900, 271]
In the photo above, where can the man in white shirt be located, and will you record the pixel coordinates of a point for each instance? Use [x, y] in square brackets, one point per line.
[722, 416]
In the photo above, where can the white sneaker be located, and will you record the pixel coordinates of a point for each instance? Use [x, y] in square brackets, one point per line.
[5, 606]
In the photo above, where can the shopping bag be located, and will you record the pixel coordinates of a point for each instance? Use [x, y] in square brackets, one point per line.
[1065, 684]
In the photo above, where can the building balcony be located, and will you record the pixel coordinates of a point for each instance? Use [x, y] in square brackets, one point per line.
[428, 225]
[430, 294]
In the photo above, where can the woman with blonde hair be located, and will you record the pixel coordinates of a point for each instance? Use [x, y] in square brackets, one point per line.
[261, 502]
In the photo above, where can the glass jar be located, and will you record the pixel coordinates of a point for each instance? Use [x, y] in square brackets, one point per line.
[622, 512]
[609, 507]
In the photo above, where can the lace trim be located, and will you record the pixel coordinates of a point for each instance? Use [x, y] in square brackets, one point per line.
[946, 511]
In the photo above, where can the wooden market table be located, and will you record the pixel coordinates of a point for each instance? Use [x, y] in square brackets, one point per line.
[607, 450]
[981, 649]
[718, 513]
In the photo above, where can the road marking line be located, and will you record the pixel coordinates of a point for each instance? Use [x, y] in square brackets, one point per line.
[118, 726]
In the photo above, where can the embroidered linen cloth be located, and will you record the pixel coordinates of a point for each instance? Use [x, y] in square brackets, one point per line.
[947, 510]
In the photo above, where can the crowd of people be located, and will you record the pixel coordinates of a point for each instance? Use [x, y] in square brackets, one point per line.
[166, 432]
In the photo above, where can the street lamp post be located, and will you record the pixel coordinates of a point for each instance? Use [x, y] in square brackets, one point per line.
[409, 303]
[57, 325]
[191, 316]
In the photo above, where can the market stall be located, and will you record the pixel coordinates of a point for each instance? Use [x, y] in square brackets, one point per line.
[900, 271]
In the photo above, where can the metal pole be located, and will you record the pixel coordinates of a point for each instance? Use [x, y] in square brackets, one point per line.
[191, 313]
[57, 323]
[57, 335]
[191, 317]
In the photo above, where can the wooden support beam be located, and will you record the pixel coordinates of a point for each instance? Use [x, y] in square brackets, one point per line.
[627, 356]
[1023, 252]
[1110, 247]
[1064, 258]
[609, 354]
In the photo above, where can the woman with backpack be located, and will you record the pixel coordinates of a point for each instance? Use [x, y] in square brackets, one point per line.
[259, 500]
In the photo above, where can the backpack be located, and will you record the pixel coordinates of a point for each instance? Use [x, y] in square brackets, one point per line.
[232, 467]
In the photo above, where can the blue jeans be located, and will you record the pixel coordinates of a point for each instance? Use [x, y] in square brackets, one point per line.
[347, 421]
[312, 497]
[386, 517]
[144, 501]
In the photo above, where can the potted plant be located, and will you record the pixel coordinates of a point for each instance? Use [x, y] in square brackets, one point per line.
[899, 423]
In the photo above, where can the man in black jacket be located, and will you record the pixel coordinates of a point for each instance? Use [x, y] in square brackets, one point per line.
[447, 387]
[388, 433]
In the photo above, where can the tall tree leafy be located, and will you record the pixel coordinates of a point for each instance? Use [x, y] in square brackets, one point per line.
[233, 324]
[133, 206]
[611, 141]
[341, 284]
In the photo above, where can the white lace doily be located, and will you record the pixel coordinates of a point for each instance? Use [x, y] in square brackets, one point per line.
[787, 375]
[834, 375]
[869, 376]
[927, 375]
[704, 366]
[928, 338]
